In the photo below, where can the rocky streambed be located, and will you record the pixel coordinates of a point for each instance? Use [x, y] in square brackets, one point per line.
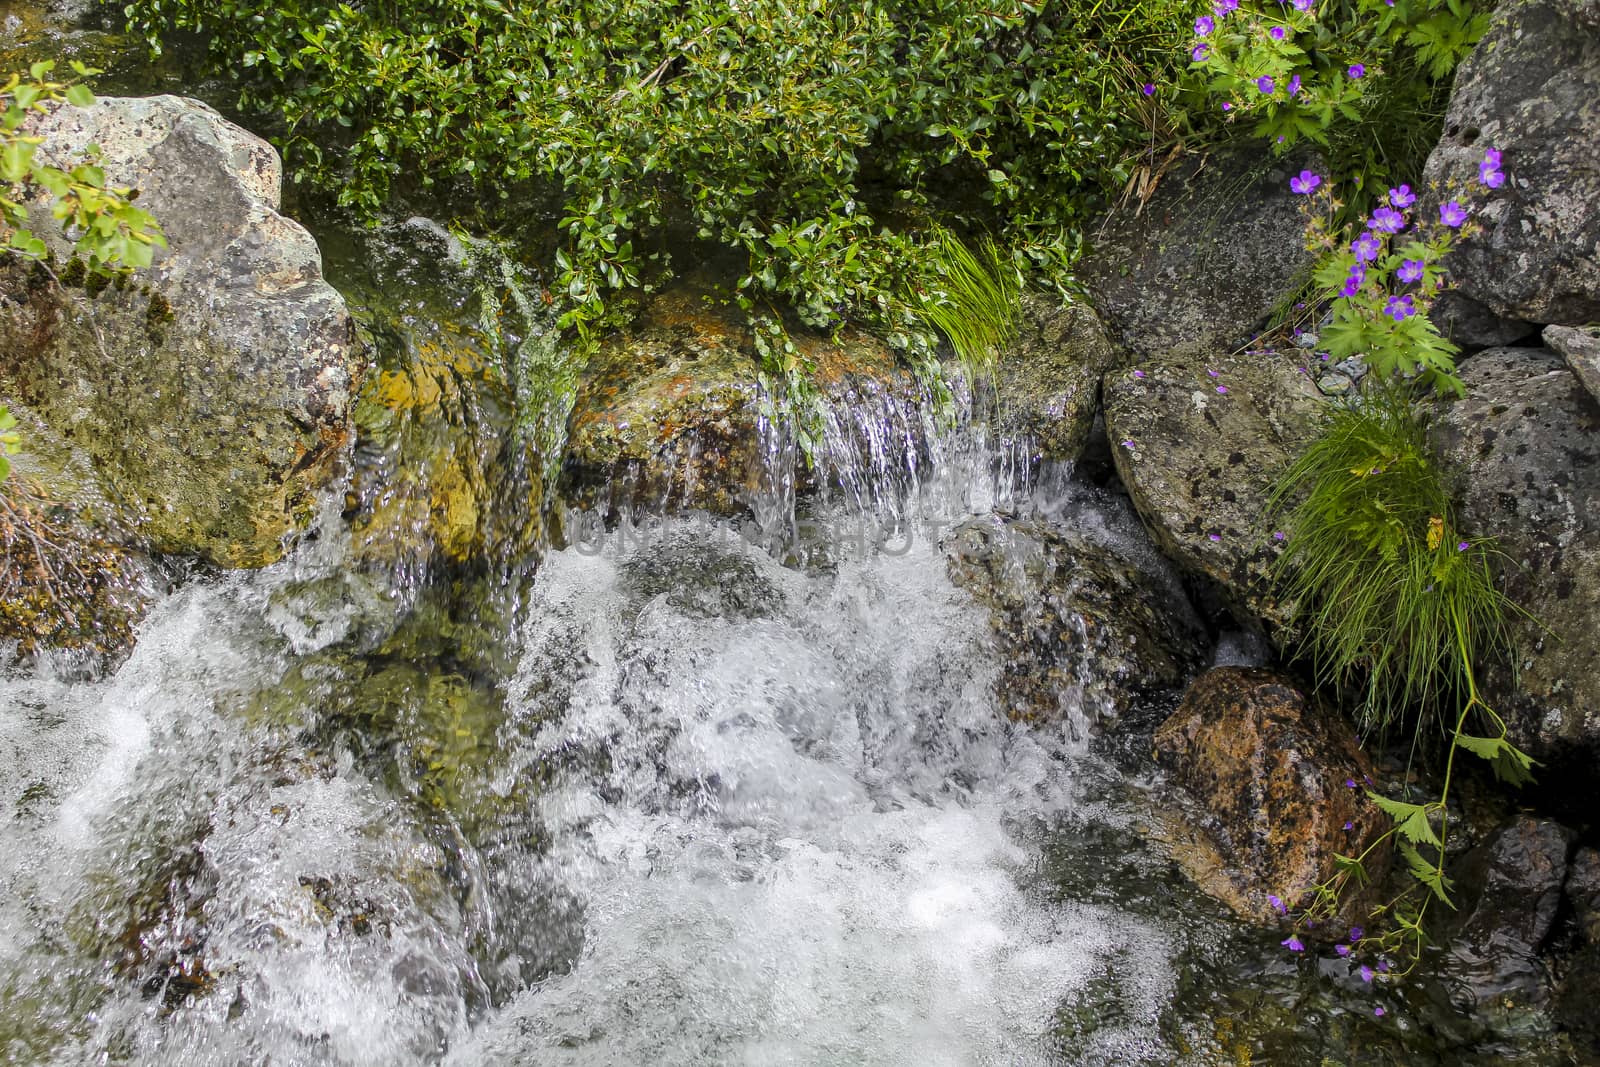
[563, 713]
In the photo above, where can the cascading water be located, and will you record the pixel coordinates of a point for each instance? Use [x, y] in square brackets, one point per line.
[698, 795]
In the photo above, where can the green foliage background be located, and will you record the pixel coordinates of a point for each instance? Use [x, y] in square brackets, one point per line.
[810, 141]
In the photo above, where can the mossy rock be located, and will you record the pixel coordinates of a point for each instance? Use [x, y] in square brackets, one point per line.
[211, 391]
[63, 583]
[669, 414]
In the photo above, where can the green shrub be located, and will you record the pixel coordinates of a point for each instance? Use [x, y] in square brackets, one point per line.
[816, 142]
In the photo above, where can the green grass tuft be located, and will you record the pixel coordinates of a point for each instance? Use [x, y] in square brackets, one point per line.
[1394, 611]
[972, 299]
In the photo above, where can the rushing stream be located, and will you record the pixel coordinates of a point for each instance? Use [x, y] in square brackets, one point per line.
[689, 792]
[723, 809]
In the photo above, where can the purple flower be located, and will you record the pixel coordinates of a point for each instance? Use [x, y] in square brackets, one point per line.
[1452, 214]
[1463, 546]
[1223, 7]
[1379, 1012]
[1304, 5]
[1400, 308]
[1203, 25]
[1410, 270]
[1356, 70]
[1366, 973]
[1292, 943]
[1353, 284]
[1349, 825]
[1402, 196]
[1149, 88]
[1215, 537]
[1294, 85]
[1383, 965]
[1278, 535]
[1343, 950]
[1277, 33]
[1128, 444]
[1490, 175]
[1356, 934]
[1138, 374]
[1277, 904]
[1200, 52]
[1387, 220]
[1491, 156]
[1211, 371]
[1349, 783]
[1222, 388]
[1264, 83]
[1305, 182]
[1366, 247]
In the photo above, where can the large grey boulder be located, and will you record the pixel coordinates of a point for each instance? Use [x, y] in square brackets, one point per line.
[1524, 449]
[1218, 246]
[1531, 89]
[213, 392]
[1199, 444]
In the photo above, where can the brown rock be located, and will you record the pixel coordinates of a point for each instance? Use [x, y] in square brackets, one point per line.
[1269, 769]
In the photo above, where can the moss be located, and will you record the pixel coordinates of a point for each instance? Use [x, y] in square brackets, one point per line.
[157, 315]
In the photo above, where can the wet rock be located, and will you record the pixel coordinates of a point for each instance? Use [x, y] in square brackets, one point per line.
[1523, 453]
[1198, 444]
[213, 393]
[1529, 89]
[1218, 247]
[669, 415]
[1047, 385]
[1574, 1007]
[441, 474]
[1494, 953]
[1580, 347]
[1268, 768]
[1082, 628]
[1583, 891]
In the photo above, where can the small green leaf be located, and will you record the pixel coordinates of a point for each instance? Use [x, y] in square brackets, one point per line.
[80, 96]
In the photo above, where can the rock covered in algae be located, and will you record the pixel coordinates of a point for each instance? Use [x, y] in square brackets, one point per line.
[669, 414]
